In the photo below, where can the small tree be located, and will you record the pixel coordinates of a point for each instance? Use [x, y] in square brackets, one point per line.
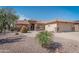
[7, 17]
[45, 38]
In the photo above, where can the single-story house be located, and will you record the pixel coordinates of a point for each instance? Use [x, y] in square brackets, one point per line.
[55, 26]
[31, 25]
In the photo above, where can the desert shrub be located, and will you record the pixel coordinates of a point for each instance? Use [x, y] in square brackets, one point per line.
[18, 28]
[45, 38]
[16, 33]
[24, 29]
[12, 28]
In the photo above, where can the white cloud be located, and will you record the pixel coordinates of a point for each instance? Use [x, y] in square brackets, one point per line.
[22, 17]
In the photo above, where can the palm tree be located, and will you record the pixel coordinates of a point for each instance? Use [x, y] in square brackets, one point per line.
[7, 17]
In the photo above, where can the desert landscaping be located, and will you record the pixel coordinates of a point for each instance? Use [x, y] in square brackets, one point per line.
[27, 43]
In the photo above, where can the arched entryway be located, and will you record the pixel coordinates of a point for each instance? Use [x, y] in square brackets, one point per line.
[32, 26]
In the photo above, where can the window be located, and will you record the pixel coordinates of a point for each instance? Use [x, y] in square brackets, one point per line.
[48, 24]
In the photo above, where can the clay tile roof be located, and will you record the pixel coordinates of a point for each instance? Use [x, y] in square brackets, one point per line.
[41, 22]
[59, 20]
[22, 22]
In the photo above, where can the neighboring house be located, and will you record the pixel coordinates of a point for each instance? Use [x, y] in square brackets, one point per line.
[55, 26]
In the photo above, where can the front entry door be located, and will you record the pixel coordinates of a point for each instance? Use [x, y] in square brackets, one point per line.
[32, 27]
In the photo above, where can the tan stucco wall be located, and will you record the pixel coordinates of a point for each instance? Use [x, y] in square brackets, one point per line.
[51, 27]
[62, 27]
[65, 27]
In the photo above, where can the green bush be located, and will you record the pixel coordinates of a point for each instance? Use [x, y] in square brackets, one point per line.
[45, 38]
[24, 29]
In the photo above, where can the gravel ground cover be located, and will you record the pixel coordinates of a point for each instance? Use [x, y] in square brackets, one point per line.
[28, 44]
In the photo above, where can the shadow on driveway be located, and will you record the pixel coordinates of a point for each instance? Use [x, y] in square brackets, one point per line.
[9, 40]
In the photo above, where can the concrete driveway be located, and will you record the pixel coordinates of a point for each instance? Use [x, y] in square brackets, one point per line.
[68, 35]
[64, 35]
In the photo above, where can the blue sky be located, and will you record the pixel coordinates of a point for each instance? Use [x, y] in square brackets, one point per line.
[47, 12]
